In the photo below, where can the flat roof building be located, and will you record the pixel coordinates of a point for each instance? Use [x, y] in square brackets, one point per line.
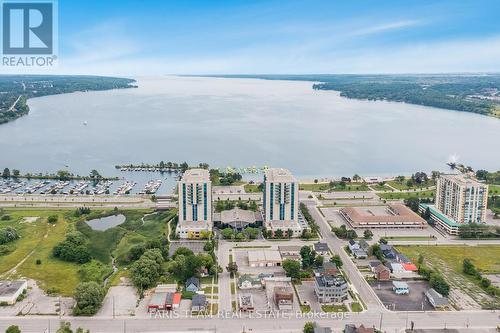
[281, 202]
[396, 216]
[461, 198]
[264, 258]
[10, 290]
[195, 204]
[283, 298]
[237, 218]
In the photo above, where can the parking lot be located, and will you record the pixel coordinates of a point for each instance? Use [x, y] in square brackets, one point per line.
[195, 246]
[306, 294]
[414, 301]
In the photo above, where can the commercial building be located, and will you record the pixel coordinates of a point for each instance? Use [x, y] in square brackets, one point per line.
[237, 218]
[281, 202]
[330, 288]
[436, 299]
[195, 204]
[199, 303]
[245, 302]
[328, 268]
[283, 298]
[290, 252]
[462, 198]
[158, 302]
[395, 216]
[264, 258]
[400, 288]
[10, 290]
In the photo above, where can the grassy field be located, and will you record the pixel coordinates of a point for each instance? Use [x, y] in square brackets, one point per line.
[36, 242]
[404, 187]
[334, 308]
[38, 238]
[494, 190]
[448, 261]
[409, 238]
[406, 195]
[252, 188]
[325, 187]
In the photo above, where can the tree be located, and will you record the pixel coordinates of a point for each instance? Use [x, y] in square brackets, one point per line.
[227, 233]
[368, 234]
[308, 327]
[252, 233]
[420, 260]
[182, 251]
[351, 234]
[208, 246]
[481, 174]
[292, 268]
[64, 328]
[278, 233]
[13, 329]
[307, 256]
[412, 203]
[89, 297]
[94, 174]
[318, 261]
[439, 284]
[356, 178]
[52, 219]
[232, 268]
[63, 175]
[6, 173]
[468, 267]
[16, 173]
[337, 260]
[377, 252]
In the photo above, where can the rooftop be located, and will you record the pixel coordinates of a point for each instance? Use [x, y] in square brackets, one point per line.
[400, 284]
[462, 179]
[279, 175]
[237, 215]
[264, 255]
[396, 214]
[445, 219]
[9, 288]
[196, 176]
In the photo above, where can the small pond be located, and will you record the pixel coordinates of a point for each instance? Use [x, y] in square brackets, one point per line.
[104, 223]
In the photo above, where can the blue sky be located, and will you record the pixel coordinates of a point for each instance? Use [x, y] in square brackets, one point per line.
[202, 37]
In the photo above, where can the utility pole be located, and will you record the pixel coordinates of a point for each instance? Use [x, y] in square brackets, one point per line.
[380, 324]
[113, 307]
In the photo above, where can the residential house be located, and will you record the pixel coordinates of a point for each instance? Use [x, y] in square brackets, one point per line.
[409, 267]
[321, 248]
[382, 273]
[328, 268]
[283, 298]
[199, 303]
[353, 245]
[397, 268]
[363, 245]
[193, 284]
[374, 264]
[330, 288]
[436, 299]
[388, 251]
[247, 281]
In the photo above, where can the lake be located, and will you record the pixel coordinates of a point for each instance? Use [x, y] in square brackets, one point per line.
[241, 123]
[105, 223]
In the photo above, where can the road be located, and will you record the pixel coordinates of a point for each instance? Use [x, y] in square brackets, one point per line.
[360, 284]
[225, 298]
[391, 322]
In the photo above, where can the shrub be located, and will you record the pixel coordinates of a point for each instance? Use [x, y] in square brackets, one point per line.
[8, 235]
[52, 219]
[89, 297]
[38, 262]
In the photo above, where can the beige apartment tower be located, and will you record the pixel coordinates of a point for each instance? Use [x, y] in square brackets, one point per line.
[195, 204]
[462, 198]
[281, 202]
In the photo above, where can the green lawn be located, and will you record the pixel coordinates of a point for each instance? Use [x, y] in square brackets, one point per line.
[325, 187]
[356, 307]
[406, 195]
[334, 308]
[410, 238]
[252, 188]
[494, 189]
[378, 187]
[305, 308]
[403, 186]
